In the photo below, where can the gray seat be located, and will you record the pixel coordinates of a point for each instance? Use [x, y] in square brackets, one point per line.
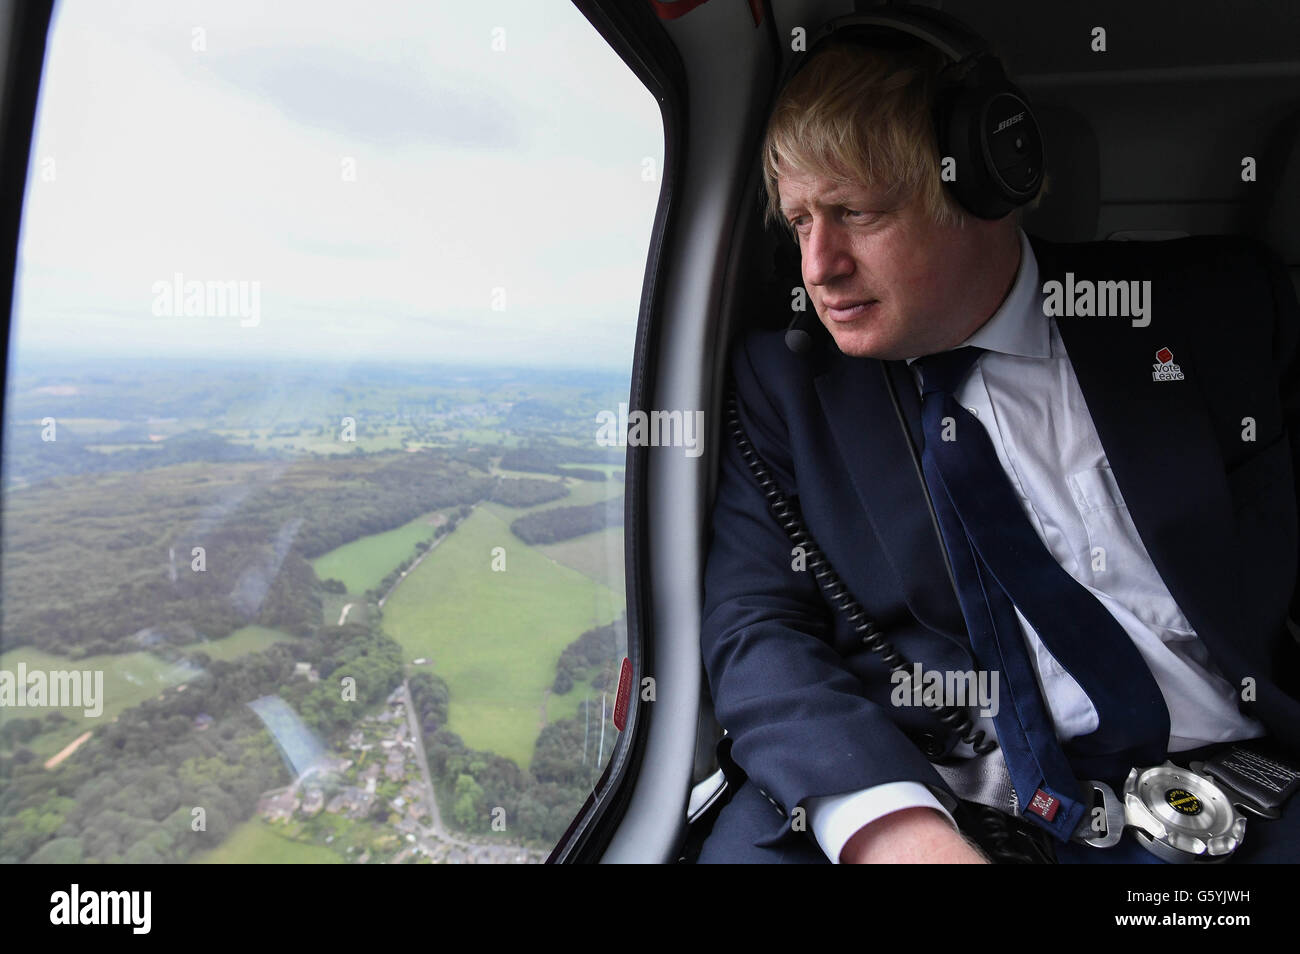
[1274, 215]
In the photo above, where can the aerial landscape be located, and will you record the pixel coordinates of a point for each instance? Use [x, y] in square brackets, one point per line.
[343, 613]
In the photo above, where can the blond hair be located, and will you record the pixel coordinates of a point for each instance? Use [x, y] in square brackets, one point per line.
[861, 115]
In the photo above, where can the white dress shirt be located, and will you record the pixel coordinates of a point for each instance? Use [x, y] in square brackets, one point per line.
[1024, 392]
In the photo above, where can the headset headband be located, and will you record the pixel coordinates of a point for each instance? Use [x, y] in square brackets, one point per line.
[944, 33]
[950, 38]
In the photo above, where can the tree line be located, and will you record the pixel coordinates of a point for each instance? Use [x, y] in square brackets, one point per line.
[563, 523]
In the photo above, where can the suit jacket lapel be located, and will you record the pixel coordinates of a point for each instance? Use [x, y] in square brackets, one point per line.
[855, 396]
[1157, 435]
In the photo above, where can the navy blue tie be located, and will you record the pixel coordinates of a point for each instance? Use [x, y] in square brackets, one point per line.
[999, 560]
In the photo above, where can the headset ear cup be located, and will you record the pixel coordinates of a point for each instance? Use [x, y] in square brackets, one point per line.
[957, 129]
[1026, 179]
[990, 132]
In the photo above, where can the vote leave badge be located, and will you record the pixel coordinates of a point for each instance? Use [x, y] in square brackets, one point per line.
[1165, 369]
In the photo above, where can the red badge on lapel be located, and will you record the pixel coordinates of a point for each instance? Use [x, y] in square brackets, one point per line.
[1165, 369]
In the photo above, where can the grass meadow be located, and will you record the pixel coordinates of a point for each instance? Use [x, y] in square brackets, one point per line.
[495, 636]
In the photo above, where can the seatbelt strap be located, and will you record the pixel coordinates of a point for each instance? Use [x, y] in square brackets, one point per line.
[983, 779]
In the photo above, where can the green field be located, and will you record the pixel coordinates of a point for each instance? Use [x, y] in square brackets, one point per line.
[495, 636]
[249, 639]
[256, 842]
[608, 469]
[129, 679]
[597, 555]
[580, 492]
[566, 707]
[363, 563]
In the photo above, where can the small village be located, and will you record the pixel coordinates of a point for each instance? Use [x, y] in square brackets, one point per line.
[382, 782]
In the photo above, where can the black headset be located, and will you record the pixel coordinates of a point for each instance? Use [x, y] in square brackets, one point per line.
[981, 120]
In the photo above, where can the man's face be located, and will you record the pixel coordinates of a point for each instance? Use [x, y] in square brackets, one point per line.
[886, 280]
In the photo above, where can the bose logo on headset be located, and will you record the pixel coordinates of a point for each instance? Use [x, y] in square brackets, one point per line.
[1008, 122]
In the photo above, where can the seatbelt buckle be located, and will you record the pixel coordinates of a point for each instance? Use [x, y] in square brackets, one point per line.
[1182, 816]
[1177, 814]
[1102, 826]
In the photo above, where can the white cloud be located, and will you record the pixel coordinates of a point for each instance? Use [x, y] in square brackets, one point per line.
[474, 169]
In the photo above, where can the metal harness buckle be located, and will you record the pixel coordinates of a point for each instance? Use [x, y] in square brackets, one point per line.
[1178, 815]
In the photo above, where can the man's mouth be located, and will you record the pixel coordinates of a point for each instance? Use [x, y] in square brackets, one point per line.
[850, 310]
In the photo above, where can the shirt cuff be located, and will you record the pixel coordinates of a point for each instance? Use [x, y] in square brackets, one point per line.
[837, 818]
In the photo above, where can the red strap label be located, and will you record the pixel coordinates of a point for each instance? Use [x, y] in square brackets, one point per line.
[624, 694]
[1044, 805]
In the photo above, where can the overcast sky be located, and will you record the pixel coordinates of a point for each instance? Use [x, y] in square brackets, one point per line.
[475, 169]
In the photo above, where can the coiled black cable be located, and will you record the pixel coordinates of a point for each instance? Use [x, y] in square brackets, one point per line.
[787, 515]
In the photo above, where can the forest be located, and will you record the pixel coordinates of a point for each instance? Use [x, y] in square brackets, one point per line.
[547, 458]
[185, 554]
[562, 523]
[539, 803]
[130, 794]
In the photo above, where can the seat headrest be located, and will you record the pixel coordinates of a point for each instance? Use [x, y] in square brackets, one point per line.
[1068, 208]
[1278, 191]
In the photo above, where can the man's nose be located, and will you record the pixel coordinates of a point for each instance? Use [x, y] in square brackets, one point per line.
[825, 254]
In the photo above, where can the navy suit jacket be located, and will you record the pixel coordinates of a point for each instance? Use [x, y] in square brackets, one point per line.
[807, 706]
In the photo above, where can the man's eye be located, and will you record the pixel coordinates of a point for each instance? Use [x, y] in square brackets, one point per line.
[872, 217]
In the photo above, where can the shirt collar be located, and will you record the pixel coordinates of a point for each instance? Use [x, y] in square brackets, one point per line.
[1019, 326]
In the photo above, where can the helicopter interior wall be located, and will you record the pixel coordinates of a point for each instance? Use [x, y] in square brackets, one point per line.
[1144, 142]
